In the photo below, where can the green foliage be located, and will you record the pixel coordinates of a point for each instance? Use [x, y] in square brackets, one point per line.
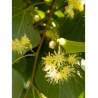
[20, 65]
[17, 84]
[74, 29]
[41, 14]
[28, 96]
[34, 94]
[59, 14]
[81, 95]
[22, 23]
[25, 15]
[70, 89]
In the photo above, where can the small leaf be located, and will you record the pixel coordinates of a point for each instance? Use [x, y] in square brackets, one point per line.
[17, 84]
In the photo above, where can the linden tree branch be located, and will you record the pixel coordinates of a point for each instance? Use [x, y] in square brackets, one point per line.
[38, 50]
[39, 22]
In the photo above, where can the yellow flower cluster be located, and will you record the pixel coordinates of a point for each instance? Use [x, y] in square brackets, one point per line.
[56, 68]
[21, 46]
[73, 4]
[71, 59]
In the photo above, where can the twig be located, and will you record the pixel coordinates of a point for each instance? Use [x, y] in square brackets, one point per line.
[38, 50]
[39, 22]
[35, 4]
[22, 57]
[60, 8]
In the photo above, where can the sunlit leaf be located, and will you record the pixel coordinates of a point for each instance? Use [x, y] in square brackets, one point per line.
[48, 0]
[40, 13]
[72, 46]
[59, 13]
[81, 95]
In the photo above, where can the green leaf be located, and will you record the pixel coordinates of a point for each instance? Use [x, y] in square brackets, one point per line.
[17, 84]
[22, 23]
[70, 89]
[59, 13]
[40, 13]
[80, 72]
[28, 96]
[73, 29]
[82, 95]
[72, 46]
[22, 57]
[48, 0]
[20, 65]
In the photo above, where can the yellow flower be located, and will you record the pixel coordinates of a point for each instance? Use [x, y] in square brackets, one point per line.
[80, 7]
[71, 59]
[49, 67]
[13, 45]
[63, 76]
[74, 4]
[30, 46]
[66, 72]
[69, 11]
[59, 58]
[25, 40]
[20, 47]
[53, 76]
[48, 59]
[56, 69]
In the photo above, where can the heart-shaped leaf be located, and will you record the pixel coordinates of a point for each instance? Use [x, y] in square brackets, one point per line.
[22, 23]
[70, 89]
